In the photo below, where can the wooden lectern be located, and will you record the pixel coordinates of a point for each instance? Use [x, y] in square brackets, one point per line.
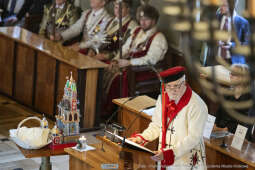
[132, 117]
[109, 155]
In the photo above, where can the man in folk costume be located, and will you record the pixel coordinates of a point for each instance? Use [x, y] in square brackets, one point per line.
[58, 17]
[145, 46]
[178, 122]
[92, 22]
[110, 49]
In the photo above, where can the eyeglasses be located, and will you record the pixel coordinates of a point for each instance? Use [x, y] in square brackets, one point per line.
[174, 87]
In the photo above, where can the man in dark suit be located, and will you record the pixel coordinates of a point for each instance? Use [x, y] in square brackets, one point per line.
[14, 10]
[227, 15]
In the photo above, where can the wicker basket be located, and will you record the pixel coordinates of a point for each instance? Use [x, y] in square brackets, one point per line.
[30, 138]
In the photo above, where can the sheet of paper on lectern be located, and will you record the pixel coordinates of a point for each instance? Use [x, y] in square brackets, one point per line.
[239, 136]
[209, 126]
[149, 111]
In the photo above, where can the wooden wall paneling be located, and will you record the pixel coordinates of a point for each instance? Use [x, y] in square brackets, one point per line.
[90, 98]
[75, 164]
[24, 77]
[55, 110]
[63, 72]
[99, 97]
[6, 65]
[45, 80]
[81, 93]
[34, 78]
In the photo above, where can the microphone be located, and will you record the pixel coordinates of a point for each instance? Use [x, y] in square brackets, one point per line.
[116, 126]
[114, 113]
[133, 121]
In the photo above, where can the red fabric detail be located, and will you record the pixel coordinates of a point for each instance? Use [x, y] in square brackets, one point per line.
[170, 107]
[142, 53]
[108, 24]
[194, 159]
[107, 62]
[125, 27]
[133, 135]
[168, 159]
[87, 16]
[84, 51]
[169, 112]
[172, 71]
[61, 146]
[134, 36]
[100, 22]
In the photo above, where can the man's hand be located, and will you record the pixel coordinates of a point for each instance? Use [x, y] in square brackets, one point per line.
[12, 19]
[123, 63]
[136, 140]
[158, 156]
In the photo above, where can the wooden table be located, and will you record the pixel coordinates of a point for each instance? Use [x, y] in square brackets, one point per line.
[33, 71]
[217, 157]
[45, 153]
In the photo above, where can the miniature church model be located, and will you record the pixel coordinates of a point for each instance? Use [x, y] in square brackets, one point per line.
[68, 117]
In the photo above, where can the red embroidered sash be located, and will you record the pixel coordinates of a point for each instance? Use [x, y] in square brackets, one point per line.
[87, 16]
[136, 32]
[109, 23]
[125, 27]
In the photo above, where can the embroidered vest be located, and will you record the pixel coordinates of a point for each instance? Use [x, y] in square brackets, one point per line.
[113, 39]
[142, 48]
